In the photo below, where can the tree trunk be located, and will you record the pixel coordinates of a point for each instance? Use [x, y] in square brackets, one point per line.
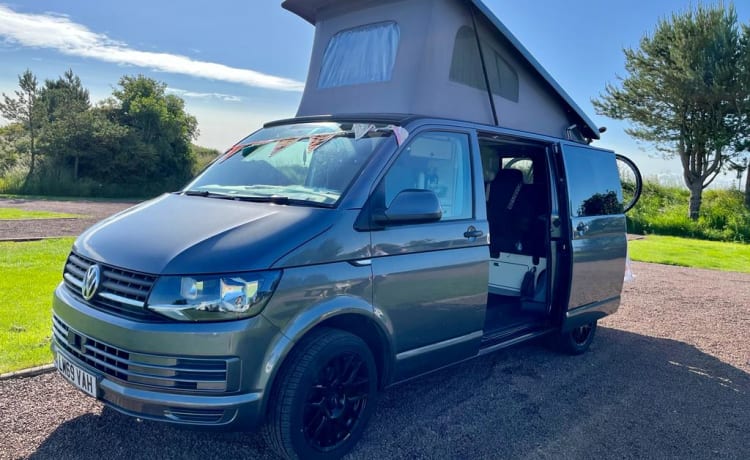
[75, 168]
[696, 197]
[747, 188]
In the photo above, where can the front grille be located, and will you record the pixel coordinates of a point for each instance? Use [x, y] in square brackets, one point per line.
[120, 291]
[153, 371]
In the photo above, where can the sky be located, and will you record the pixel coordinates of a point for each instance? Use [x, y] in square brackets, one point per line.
[240, 63]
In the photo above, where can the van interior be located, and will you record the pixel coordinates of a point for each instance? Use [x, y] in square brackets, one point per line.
[518, 197]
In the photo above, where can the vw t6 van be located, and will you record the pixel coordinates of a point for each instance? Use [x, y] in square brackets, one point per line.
[453, 206]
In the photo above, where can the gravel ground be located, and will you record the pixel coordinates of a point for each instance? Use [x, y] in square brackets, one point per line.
[667, 377]
[41, 228]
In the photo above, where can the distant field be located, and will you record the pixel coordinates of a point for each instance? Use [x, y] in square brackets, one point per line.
[30, 272]
[17, 214]
[686, 252]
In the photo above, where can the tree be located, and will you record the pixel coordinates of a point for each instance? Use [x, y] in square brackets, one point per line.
[157, 147]
[744, 142]
[67, 130]
[11, 137]
[684, 93]
[23, 109]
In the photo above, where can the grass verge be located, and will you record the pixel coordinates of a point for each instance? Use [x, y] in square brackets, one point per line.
[16, 214]
[30, 272]
[687, 252]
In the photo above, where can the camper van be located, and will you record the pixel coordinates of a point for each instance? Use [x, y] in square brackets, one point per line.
[436, 198]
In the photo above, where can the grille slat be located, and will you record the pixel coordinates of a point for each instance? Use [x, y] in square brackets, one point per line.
[75, 270]
[129, 279]
[120, 291]
[123, 290]
[179, 374]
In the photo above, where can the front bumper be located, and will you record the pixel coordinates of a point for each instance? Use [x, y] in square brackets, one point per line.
[189, 374]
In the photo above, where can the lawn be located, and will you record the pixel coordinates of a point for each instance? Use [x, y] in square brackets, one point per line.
[670, 250]
[16, 214]
[30, 272]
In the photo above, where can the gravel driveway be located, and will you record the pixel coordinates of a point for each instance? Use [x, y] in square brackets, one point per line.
[94, 211]
[667, 377]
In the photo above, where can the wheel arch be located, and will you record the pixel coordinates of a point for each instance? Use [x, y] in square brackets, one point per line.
[344, 313]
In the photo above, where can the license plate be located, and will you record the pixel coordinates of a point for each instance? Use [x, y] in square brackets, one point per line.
[85, 381]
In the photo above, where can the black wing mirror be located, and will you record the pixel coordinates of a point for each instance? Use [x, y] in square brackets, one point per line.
[412, 206]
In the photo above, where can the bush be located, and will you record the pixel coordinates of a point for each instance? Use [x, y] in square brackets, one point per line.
[62, 184]
[663, 210]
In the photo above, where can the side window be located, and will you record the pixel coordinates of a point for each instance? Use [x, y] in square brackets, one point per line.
[523, 164]
[364, 54]
[593, 182]
[466, 66]
[437, 161]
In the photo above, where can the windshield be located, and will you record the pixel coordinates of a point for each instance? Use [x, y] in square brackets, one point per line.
[306, 163]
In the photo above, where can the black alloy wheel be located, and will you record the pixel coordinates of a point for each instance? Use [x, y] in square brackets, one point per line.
[336, 401]
[323, 397]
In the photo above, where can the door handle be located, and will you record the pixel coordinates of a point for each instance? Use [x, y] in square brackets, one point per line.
[472, 232]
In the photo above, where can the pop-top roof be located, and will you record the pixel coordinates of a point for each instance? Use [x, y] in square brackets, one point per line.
[422, 57]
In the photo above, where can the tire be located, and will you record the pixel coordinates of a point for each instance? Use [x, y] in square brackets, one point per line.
[323, 398]
[578, 340]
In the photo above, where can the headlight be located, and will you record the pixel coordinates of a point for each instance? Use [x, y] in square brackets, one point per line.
[213, 298]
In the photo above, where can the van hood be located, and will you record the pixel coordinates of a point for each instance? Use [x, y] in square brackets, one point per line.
[179, 235]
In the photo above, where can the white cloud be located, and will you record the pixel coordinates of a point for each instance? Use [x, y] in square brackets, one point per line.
[196, 95]
[58, 32]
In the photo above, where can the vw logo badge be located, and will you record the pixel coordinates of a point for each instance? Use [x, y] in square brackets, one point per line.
[90, 282]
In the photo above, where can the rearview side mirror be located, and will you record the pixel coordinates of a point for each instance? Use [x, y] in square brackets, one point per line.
[412, 206]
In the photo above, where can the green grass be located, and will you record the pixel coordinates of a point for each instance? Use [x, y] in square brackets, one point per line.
[686, 252]
[16, 214]
[30, 272]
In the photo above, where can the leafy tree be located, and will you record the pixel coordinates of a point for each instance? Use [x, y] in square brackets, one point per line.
[23, 109]
[11, 137]
[160, 131]
[684, 93]
[67, 129]
[744, 142]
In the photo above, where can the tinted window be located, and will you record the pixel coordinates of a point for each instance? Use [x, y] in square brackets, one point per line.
[466, 66]
[593, 182]
[362, 55]
[439, 162]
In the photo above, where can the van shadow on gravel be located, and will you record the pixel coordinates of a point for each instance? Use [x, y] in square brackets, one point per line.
[630, 396]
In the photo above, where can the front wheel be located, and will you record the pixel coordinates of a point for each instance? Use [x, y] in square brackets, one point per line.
[323, 398]
[577, 340]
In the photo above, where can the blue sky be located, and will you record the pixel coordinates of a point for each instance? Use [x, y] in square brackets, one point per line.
[238, 63]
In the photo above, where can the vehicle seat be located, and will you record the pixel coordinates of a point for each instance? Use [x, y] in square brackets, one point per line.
[503, 211]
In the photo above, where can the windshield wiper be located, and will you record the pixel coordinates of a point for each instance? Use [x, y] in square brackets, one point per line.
[207, 194]
[281, 199]
[275, 199]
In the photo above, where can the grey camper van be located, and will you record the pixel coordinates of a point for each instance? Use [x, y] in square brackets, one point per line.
[451, 206]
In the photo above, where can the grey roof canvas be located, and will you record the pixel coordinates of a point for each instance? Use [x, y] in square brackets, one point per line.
[430, 73]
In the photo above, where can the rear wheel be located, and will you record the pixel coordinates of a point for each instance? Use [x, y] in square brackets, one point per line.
[577, 340]
[323, 398]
